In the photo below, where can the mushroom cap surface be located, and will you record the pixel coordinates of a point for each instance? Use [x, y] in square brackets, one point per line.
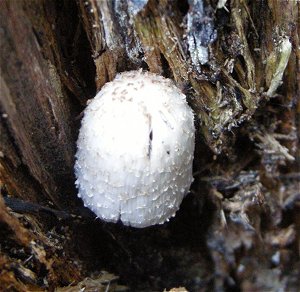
[135, 150]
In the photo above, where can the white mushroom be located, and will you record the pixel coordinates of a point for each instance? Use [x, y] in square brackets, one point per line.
[135, 150]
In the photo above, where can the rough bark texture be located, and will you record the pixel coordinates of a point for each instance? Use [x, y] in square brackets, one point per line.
[238, 63]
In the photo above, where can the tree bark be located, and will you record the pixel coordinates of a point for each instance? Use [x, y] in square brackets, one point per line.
[238, 64]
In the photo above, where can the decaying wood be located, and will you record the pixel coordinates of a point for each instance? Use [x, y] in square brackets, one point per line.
[238, 63]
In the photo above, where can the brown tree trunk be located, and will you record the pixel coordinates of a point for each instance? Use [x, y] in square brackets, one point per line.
[238, 63]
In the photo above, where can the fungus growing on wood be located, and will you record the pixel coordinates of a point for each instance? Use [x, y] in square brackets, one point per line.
[135, 150]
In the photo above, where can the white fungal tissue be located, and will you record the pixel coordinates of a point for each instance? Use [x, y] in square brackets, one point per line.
[135, 150]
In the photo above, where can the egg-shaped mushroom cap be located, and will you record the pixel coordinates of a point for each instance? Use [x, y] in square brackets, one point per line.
[135, 150]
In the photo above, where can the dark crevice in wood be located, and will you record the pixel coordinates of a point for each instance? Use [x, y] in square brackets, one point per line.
[243, 204]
